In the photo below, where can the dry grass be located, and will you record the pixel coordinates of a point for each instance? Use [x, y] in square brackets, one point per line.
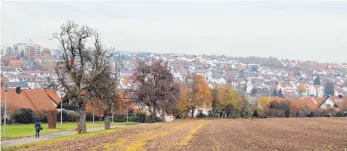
[218, 134]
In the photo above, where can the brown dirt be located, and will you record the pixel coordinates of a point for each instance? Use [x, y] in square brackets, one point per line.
[218, 134]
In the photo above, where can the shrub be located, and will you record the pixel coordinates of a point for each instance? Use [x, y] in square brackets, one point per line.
[68, 116]
[72, 116]
[140, 117]
[180, 114]
[158, 119]
[312, 114]
[89, 116]
[24, 116]
[339, 114]
[255, 114]
[120, 118]
[64, 114]
[201, 115]
[287, 113]
[40, 116]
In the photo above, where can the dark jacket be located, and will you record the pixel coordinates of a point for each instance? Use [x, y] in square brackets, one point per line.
[37, 125]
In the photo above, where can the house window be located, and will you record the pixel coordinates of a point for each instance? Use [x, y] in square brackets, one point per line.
[328, 106]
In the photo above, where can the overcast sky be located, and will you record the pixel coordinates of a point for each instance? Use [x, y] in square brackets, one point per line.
[295, 30]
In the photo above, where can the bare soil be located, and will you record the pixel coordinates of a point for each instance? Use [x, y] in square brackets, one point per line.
[218, 134]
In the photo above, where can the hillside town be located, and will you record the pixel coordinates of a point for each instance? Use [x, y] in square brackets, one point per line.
[30, 66]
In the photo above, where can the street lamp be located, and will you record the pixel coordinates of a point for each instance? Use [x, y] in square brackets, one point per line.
[5, 114]
[127, 114]
[93, 115]
[61, 111]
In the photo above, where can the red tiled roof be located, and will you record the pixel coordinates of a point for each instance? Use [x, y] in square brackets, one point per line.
[17, 63]
[14, 100]
[39, 99]
[35, 99]
[54, 96]
[308, 101]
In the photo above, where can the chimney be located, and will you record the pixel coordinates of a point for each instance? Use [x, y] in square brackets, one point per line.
[340, 96]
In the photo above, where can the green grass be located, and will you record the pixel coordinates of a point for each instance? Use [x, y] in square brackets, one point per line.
[64, 138]
[22, 130]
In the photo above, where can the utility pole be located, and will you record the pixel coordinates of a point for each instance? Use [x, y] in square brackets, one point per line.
[93, 115]
[127, 114]
[1, 113]
[5, 114]
[61, 112]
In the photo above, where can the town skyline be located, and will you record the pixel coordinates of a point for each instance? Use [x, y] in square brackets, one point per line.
[4, 46]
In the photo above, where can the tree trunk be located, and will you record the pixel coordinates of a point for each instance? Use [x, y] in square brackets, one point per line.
[154, 112]
[193, 110]
[107, 122]
[163, 114]
[83, 119]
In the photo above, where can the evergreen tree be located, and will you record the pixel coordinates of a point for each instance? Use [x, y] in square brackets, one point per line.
[254, 92]
[255, 114]
[274, 93]
[329, 88]
[22, 54]
[287, 113]
[280, 93]
[316, 80]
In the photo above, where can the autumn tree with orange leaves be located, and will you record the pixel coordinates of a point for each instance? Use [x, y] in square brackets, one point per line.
[227, 100]
[200, 95]
[301, 89]
[182, 107]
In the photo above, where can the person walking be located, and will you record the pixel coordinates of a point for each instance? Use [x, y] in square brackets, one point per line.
[38, 128]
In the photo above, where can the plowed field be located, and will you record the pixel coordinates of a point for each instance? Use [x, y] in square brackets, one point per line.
[217, 134]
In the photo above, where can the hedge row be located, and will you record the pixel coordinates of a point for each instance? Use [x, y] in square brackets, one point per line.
[26, 116]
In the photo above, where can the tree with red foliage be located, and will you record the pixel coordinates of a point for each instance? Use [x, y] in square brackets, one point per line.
[154, 86]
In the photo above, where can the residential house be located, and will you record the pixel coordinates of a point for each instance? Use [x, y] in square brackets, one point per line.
[316, 90]
[17, 63]
[337, 102]
[38, 100]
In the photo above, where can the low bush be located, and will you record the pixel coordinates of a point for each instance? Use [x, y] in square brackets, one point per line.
[287, 113]
[68, 116]
[339, 114]
[64, 115]
[120, 118]
[72, 116]
[24, 116]
[40, 116]
[134, 117]
[255, 114]
[89, 117]
[201, 115]
[312, 114]
[140, 117]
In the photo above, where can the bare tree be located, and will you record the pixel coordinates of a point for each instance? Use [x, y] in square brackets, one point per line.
[80, 69]
[104, 89]
[154, 86]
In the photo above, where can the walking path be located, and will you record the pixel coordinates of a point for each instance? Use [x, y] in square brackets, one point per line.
[32, 139]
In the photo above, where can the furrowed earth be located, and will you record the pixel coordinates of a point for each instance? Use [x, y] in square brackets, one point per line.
[215, 134]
